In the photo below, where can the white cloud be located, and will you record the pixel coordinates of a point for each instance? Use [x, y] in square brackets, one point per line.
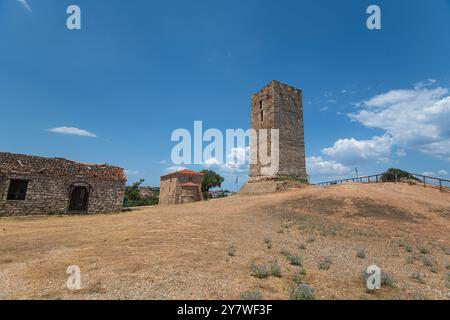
[212, 162]
[25, 4]
[317, 165]
[440, 173]
[131, 172]
[352, 151]
[174, 169]
[443, 173]
[73, 131]
[416, 119]
[236, 161]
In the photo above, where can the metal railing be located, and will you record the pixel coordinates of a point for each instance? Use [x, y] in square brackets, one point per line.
[413, 178]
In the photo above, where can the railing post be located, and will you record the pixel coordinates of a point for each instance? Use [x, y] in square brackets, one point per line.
[440, 185]
[396, 178]
[424, 184]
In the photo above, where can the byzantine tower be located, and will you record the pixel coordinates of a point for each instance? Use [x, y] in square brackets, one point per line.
[279, 106]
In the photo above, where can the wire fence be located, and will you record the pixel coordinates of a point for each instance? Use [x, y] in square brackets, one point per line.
[412, 178]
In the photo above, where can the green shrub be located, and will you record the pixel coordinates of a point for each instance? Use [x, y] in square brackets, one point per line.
[361, 254]
[302, 246]
[259, 271]
[275, 269]
[390, 174]
[293, 259]
[424, 250]
[232, 251]
[251, 295]
[268, 243]
[386, 279]
[411, 259]
[302, 292]
[427, 261]
[298, 278]
[325, 263]
[418, 277]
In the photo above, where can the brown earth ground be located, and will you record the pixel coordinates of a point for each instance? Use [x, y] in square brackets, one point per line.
[183, 252]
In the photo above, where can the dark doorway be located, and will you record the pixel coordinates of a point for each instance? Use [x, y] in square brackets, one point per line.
[79, 199]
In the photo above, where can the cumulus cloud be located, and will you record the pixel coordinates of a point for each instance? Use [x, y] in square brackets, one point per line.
[236, 161]
[73, 131]
[131, 172]
[317, 165]
[417, 118]
[174, 169]
[443, 173]
[352, 151]
[25, 4]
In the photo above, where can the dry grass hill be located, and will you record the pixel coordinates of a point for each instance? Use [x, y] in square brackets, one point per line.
[205, 250]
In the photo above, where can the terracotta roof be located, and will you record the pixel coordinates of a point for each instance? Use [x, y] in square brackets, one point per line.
[19, 163]
[184, 172]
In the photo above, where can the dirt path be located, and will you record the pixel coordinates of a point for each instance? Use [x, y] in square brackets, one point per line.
[182, 252]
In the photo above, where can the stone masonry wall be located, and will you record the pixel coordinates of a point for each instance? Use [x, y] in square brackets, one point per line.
[168, 191]
[50, 195]
[171, 190]
[283, 110]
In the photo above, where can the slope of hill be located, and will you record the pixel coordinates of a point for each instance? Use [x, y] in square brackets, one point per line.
[205, 250]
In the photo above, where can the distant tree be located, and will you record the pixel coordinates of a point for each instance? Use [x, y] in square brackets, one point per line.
[134, 198]
[391, 173]
[211, 179]
[132, 192]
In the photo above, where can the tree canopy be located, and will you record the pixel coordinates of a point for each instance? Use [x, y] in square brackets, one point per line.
[211, 179]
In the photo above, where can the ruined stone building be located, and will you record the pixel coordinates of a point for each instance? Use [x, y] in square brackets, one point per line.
[32, 185]
[279, 106]
[181, 187]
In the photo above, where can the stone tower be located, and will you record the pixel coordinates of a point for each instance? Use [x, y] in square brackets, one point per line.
[279, 106]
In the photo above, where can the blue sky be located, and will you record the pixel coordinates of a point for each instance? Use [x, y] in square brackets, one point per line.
[139, 70]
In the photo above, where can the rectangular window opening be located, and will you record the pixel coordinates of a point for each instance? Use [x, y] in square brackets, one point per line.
[17, 190]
